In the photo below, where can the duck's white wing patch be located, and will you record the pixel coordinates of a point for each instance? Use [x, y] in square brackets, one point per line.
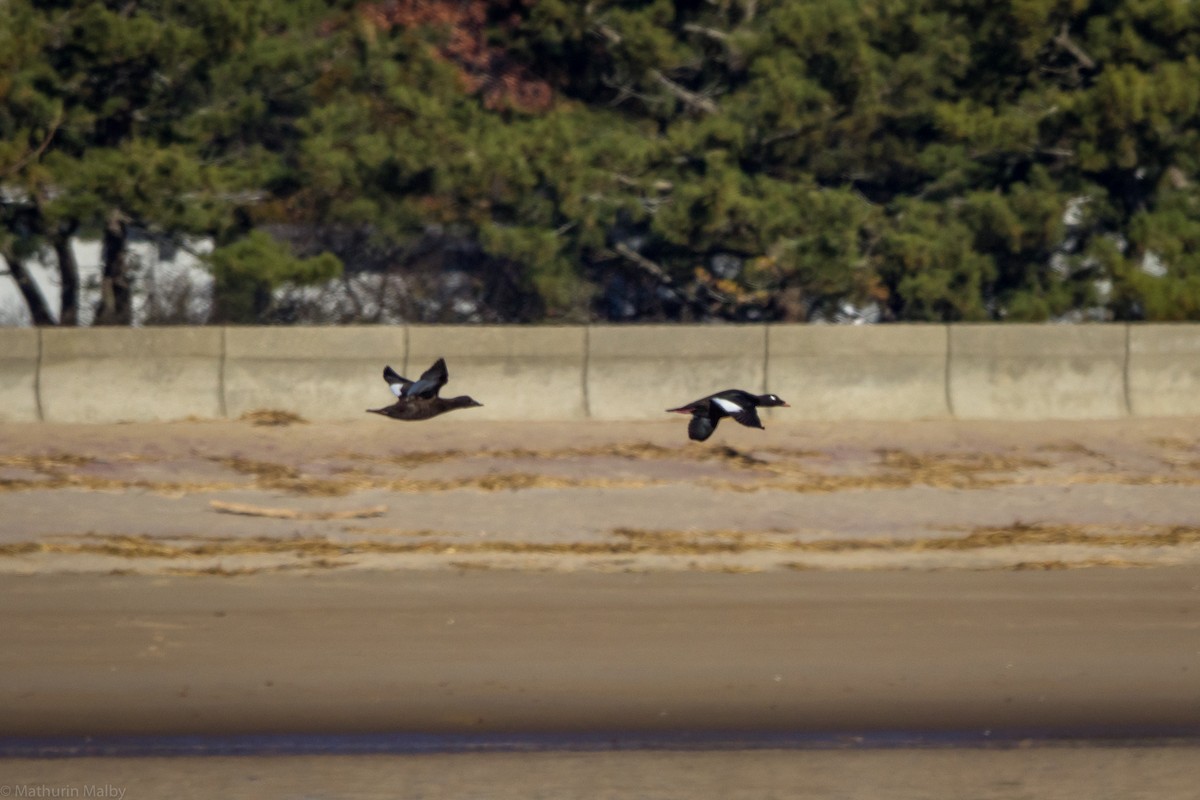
[397, 388]
[728, 406]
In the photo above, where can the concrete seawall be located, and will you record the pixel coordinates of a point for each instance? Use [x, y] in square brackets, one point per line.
[637, 371]
[318, 373]
[130, 374]
[1001, 372]
[1164, 370]
[518, 372]
[1029, 372]
[19, 352]
[859, 372]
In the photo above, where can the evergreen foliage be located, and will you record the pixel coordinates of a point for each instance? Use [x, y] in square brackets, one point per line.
[247, 271]
[936, 160]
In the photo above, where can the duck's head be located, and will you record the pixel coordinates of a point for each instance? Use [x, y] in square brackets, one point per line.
[772, 400]
[463, 402]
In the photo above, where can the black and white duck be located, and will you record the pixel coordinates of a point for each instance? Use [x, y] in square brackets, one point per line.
[708, 411]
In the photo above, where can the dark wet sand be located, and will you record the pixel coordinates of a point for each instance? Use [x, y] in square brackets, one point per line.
[1097, 653]
[1056, 773]
[514, 619]
[1101, 651]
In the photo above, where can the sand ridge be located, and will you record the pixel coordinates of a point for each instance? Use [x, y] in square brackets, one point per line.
[237, 497]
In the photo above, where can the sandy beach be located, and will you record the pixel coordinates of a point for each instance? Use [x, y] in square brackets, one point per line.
[235, 497]
[1039, 581]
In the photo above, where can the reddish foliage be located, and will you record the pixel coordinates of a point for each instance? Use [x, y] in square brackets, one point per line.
[485, 69]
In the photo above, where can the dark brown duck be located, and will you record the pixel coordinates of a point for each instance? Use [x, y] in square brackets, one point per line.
[417, 400]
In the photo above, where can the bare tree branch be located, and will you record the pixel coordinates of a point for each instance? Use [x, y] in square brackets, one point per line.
[36, 153]
[608, 33]
[781, 136]
[691, 99]
[1064, 40]
[643, 263]
[712, 33]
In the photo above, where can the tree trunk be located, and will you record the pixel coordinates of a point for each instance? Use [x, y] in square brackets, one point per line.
[68, 271]
[39, 309]
[116, 296]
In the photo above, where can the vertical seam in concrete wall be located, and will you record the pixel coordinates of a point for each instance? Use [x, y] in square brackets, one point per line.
[1125, 372]
[407, 349]
[949, 361]
[37, 378]
[583, 378]
[222, 405]
[766, 387]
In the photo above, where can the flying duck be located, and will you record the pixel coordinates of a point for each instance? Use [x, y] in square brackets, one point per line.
[742, 406]
[419, 399]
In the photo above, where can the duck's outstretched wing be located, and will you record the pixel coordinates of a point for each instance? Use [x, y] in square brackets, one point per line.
[701, 427]
[739, 405]
[396, 382]
[749, 417]
[428, 385]
[430, 382]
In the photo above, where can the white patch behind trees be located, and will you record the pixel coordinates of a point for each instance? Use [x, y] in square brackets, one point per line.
[172, 288]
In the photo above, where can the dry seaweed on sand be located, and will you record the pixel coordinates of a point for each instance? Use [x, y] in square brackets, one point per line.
[627, 541]
[272, 417]
[634, 451]
[246, 509]
[44, 463]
